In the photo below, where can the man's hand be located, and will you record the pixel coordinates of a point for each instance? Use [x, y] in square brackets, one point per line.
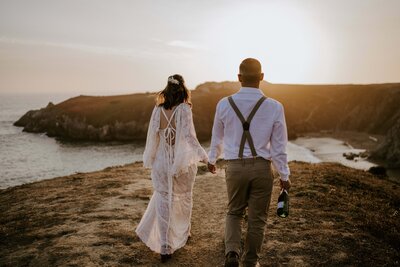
[212, 168]
[285, 184]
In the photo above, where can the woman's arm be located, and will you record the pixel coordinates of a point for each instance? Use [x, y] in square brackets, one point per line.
[152, 139]
[190, 133]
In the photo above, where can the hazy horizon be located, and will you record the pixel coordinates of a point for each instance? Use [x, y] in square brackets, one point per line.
[69, 94]
[120, 47]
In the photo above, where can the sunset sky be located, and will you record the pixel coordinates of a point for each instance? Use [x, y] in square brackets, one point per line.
[113, 47]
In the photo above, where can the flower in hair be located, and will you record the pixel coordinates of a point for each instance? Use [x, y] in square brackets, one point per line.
[171, 79]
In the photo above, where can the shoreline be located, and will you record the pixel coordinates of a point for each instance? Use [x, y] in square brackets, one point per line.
[358, 140]
[352, 139]
[365, 108]
[89, 219]
[362, 141]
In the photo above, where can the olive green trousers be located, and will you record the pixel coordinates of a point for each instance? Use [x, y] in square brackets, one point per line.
[249, 184]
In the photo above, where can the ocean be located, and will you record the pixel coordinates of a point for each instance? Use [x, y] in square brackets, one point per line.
[28, 157]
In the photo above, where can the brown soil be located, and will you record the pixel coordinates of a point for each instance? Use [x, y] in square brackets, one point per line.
[339, 217]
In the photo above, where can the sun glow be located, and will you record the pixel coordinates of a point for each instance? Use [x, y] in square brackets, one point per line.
[110, 47]
[280, 35]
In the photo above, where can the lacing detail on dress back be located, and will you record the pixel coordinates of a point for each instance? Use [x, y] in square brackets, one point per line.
[169, 130]
[169, 133]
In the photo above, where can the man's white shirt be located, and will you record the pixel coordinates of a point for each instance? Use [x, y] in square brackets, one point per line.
[267, 128]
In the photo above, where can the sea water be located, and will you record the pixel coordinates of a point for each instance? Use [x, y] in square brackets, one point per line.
[27, 157]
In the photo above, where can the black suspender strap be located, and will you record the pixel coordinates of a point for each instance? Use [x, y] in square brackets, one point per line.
[246, 125]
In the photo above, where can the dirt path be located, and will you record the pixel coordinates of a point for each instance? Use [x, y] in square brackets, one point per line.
[339, 217]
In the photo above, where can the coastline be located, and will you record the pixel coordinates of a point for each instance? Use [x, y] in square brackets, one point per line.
[54, 158]
[359, 143]
[357, 140]
[339, 216]
[363, 108]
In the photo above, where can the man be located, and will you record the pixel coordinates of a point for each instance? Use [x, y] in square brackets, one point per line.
[251, 131]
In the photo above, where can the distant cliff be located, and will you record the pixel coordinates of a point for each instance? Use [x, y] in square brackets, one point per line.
[366, 108]
[389, 150]
[123, 117]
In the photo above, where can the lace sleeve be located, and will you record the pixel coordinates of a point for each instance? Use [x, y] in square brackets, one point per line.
[188, 150]
[152, 139]
[190, 133]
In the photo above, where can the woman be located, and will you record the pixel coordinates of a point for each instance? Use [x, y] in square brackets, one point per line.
[172, 152]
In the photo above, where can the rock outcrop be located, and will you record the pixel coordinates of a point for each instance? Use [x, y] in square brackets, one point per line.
[92, 118]
[389, 150]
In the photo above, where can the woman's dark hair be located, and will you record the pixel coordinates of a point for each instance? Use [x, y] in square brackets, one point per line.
[174, 93]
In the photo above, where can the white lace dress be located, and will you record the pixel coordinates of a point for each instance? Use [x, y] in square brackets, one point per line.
[172, 154]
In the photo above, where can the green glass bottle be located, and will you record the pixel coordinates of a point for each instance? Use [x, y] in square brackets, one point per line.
[283, 204]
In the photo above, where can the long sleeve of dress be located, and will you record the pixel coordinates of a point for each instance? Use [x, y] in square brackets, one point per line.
[190, 133]
[152, 140]
[188, 150]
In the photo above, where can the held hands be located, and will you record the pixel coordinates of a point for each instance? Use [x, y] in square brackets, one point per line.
[212, 168]
[285, 184]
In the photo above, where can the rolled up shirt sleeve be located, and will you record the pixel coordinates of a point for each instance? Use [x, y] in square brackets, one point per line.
[216, 148]
[278, 143]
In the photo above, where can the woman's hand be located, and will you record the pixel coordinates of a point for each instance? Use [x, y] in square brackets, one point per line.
[212, 168]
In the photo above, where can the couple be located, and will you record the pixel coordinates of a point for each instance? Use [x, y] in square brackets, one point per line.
[250, 129]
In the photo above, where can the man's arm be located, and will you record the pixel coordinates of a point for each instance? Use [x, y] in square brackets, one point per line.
[217, 138]
[278, 147]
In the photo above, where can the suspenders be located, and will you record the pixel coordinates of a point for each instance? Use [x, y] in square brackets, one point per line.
[246, 125]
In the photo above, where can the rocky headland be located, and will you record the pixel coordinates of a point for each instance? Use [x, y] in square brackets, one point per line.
[370, 109]
[338, 217]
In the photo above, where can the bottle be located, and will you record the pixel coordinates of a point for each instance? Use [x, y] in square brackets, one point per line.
[283, 204]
